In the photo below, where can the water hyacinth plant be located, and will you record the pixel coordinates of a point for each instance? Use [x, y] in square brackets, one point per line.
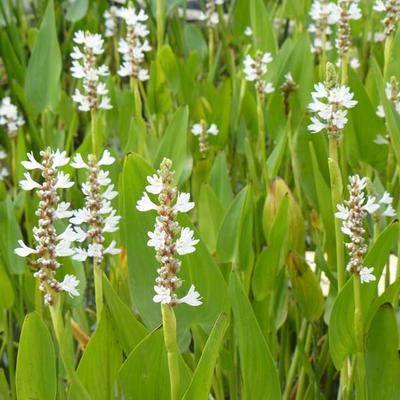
[199, 200]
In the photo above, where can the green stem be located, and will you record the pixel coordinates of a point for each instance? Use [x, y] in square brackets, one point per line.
[210, 54]
[160, 24]
[98, 288]
[59, 330]
[94, 132]
[293, 365]
[388, 55]
[11, 354]
[361, 393]
[136, 94]
[14, 165]
[344, 66]
[302, 378]
[169, 327]
[261, 152]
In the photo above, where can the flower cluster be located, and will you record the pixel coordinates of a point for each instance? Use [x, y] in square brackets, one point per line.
[322, 13]
[211, 16]
[111, 18]
[353, 214]
[391, 8]
[202, 131]
[330, 102]
[49, 244]
[169, 239]
[393, 95]
[94, 94]
[9, 117]
[98, 216]
[345, 11]
[255, 71]
[135, 44]
[3, 168]
[288, 87]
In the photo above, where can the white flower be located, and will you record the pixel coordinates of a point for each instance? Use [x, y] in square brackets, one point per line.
[80, 254]
[366, 275]
[68, 235]
[155, 184]
[256, 69]
[80, 234]
[380, 112]
[248, 31]
[106, 159]
[9, 117]
[163, 295]
[111, 248]
[355, 63]
[157, 239]
[63, 249]
[197, 129]
[343, 212]
[28, 183]
[60, 159]
[386, 198]
[111, 222]
[192, 298]
[110, 193]
[331, 107]
[80, 216]
[379, 6]
[32, 163]
[78, 162]
[183, 203]
[95, 250]
[379, 139]
[145, 204]
[24, 250]
[213, 130]
[185, 244]
[371, 206]
[389, 212]
[63, 181]
[69, 285]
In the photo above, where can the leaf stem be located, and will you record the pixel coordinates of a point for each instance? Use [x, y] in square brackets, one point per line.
[359, 337]
[98, 288]
[169, 327]
[59, 330]
[94, 132]
[160, 24]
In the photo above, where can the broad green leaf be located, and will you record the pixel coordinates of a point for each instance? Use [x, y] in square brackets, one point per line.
[259, 375]
[44, 67]
[382, 357]
[200, 385]
[263, 32]
[210, 217]
[128, 330]
[100, 363]
[9, 235]
[305, 287]
[144, 375]
[76, 10]
[6, 289]
[36, 362]
[219, 180]
[229, 234]
[173, 145]
[273, 258]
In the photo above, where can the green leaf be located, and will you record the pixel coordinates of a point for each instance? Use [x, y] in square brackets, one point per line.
[200, 385]
[44, 67]
[36, 363]
[305, 287]
[272, 258]
[144, 375]
[174, 146]
[210, 217]
[260, 378]
[219, 180]
[6, 289]
[100, 363]
[129, 331]
[76, 10]
[10, 233]
[382, 357]
[263, 32]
